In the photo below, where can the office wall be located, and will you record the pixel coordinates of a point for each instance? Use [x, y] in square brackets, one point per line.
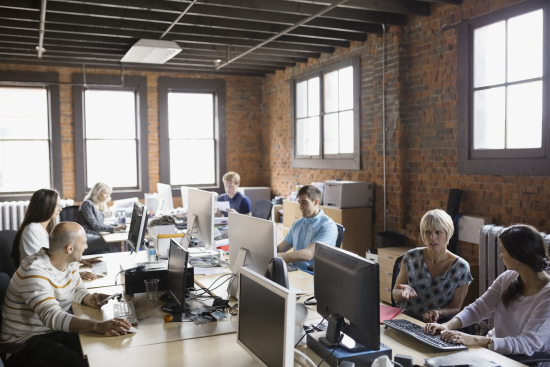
[421, 118]
[243, 117]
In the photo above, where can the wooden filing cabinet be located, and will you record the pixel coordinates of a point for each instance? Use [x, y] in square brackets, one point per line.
[356, 221]
[386, 261]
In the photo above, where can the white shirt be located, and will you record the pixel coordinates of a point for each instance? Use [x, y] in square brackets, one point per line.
[33, 238]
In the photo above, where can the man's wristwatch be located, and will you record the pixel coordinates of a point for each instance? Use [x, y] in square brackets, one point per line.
[491, 345]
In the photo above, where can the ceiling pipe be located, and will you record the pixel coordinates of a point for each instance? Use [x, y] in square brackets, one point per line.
[177, 20]
[42, 29]
[282, 33]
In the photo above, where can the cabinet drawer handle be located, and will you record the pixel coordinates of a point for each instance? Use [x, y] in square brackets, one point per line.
[389, 257]
[387, 289]
[389, 273]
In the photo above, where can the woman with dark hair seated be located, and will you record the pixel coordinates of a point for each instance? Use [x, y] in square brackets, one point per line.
[519, 300]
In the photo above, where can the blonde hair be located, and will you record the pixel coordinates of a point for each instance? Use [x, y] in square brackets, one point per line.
[233, 177]
[94, 192]
[437, 219]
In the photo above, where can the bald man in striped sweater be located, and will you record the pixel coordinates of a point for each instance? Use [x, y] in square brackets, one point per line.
[38, 299]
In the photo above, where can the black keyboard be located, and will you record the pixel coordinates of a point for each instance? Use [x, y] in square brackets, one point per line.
[416, 332]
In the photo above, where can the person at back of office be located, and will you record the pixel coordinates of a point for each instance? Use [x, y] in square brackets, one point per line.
[38, 299]
[91, 216]
[238, 203]
[315, 226]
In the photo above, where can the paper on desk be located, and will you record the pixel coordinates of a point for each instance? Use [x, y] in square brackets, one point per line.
[210, 271]
[222, 205]
[388, 312]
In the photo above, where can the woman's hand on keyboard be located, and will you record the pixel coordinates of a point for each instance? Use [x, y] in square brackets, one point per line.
[457, 337]
[114, 327]
[406, 291]
[435, 328]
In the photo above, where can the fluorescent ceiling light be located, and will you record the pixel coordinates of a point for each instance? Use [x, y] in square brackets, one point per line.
[152, 51]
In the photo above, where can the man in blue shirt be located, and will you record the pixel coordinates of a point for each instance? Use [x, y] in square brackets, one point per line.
[315, 226]
[238, 203]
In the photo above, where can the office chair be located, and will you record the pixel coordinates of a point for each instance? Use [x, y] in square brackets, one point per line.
[340, 238]
[534, 360]
[262, 209]
[394, 274]
[69, 214]
[6, 348]
[6, 243]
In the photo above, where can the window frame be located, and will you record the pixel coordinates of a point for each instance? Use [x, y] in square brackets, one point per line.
[50, 81]
[215, 86]
[346, 161]
[112, 82]
[525, 162]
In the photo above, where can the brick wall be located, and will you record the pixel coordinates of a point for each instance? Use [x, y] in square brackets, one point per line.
[243, 117]
[421, 118]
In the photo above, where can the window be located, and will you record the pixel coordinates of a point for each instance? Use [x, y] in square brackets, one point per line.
[29, 134]
[192, 133]
[111, 136]
[325, 118]
[503, 129]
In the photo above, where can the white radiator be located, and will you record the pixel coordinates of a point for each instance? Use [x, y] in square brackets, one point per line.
[490, 263]
[12, 213]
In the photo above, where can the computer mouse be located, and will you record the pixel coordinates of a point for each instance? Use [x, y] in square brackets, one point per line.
[99, 275]
[131, 330]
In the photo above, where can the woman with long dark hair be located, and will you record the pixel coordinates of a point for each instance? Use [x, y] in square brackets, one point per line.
[519, 299]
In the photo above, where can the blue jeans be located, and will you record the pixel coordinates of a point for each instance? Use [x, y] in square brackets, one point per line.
[50, 350]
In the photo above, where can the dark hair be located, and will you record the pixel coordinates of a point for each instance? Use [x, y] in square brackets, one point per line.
[526, 245]
[41, 209]
[311, 191]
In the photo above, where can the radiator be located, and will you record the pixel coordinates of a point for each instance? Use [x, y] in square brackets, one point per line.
[12, 213]
[490, 263]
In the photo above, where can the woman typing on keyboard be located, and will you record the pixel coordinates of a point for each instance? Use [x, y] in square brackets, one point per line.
[432, 282]
[519, 300]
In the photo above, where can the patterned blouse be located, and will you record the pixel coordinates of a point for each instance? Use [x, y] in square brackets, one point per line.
[432, 293]
[91, 219]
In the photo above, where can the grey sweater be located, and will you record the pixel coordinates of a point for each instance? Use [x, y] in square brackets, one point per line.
[91, 219]
[523, 327]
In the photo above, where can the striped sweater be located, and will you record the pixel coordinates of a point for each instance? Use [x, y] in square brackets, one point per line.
[38, 299]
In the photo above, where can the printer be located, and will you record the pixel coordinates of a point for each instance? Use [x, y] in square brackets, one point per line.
[348, 194]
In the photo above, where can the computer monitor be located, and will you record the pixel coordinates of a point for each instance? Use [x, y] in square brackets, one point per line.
[138, 226]
[347, 287]
[200, 216]
[258, 236]
[165, 192]
[185, 196]
[267, 314]
[177, 278]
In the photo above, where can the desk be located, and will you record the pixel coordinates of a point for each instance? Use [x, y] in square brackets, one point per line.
[113, 260]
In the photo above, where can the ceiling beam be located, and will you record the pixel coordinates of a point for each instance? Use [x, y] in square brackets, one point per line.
[391, 6]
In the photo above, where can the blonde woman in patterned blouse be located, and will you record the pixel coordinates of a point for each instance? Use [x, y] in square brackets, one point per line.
[433, 282]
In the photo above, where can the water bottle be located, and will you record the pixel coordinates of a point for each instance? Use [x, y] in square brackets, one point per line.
[123, 218]
[151, 253]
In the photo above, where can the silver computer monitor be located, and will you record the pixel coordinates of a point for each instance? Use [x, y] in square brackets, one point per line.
[165, 192]
[267, 314]
[258, 236]
[185, 196]
[200, 216]
[138, 226]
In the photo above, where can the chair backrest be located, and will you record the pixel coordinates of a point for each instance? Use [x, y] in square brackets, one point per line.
[6, 244]
[394, 274]
[69, 214]
[262, 209]
[4, 284]
[340, 238]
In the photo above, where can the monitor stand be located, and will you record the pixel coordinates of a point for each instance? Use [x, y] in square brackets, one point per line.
[233, 287]
[172, 308]
[187, 240]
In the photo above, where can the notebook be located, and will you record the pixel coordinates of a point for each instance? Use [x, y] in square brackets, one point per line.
[459, 358]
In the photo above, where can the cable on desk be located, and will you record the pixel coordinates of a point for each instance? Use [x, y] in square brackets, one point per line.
[336, 347]
[315, 327]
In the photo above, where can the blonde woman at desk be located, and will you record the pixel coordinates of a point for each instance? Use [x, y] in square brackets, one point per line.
[433, 282]
[91, 216]
[44, 207]
[519, 300]
[238, 203]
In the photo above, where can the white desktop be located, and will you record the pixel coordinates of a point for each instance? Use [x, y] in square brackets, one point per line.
[165, 198]
[200, 217]
[185, 196]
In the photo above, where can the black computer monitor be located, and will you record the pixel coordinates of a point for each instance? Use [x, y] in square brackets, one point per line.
[177, 278]
[138, 226]
[347, 287]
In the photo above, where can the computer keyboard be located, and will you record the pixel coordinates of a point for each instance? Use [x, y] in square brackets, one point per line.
[126, 310]
[100, 267]
[416, 332]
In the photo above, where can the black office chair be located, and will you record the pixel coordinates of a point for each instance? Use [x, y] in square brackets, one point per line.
[6, 243]
[340, 238]
[262, 209]
[394, 274]
[69, 214]
[534, 360]
[6, 348]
